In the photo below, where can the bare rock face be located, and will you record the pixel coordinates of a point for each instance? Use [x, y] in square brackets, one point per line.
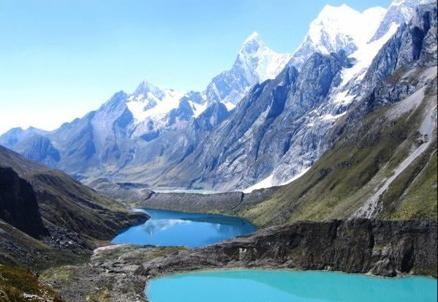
[18, 204]
[386, 248]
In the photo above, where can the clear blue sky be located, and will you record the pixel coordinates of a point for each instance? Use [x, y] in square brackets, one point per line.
[62, 58]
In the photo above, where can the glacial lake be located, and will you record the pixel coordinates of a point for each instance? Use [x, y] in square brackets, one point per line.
[288, 286]
[170, 228]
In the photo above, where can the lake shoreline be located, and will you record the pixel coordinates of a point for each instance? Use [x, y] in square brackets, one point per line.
[121, 273]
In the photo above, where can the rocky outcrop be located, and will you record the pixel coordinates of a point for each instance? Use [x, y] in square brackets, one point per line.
[386, 248]
[18, 204]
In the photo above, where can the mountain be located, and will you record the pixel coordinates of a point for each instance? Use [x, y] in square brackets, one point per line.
[136, 129]
[381, 153]
[399, 12]
[384, 157]
[282, 126]
[254, 64]
[46, 217]
[339, 28]
[264, 122]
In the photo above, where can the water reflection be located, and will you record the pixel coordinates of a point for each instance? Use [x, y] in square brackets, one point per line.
[158, 225]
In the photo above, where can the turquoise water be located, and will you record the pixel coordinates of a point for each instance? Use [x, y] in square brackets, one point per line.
[287, 286]
[170, 228]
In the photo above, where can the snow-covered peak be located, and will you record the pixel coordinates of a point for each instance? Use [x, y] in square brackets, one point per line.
[258, 61]
[339, 28]
[336, 27]
[255, 63]
[150, 101]
[254, 37]
[146, 87]
[252, 44]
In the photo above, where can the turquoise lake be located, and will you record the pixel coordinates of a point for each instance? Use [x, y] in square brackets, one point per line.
[170, 228]
[287, 286]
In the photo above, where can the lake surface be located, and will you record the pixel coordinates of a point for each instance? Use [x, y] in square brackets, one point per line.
[170, 228]
[287, 286]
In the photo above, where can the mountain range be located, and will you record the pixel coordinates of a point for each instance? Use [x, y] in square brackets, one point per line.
[331, 151]
[264, 122]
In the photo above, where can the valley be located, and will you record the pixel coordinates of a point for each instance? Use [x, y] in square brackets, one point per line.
[321, 160]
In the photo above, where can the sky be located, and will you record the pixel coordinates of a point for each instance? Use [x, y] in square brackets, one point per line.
[60, 59]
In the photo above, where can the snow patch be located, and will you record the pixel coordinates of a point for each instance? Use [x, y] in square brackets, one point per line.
[330, 117]
[270, 181]
[364, 55]
[230, 106]
[198, 108]
[265, 183]
[150, 105]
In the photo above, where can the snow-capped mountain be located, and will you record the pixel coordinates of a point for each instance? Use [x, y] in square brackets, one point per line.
[149, 101]
[151, 106]
[279, 126]
[338, 28]
[254, 64]
[273, 136]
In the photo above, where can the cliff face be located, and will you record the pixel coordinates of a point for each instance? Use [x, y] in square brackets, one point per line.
[383, 248]
[18, 205]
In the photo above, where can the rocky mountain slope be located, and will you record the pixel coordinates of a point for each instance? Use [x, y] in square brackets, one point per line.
[383, 163]
[138, 128]
[283, 126]
[381, 153]
[47, 217]
[161, 138]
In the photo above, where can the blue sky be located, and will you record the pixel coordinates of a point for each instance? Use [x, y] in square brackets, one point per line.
[62, 58]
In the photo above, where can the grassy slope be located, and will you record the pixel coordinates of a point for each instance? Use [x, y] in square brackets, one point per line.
[74, 214]
[65, 203]
[17, 284]
[347, 175]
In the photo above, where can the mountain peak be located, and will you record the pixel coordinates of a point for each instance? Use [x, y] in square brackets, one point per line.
[252, 44]
[145, 87]
[342, 22]
[338, 28]
[254, 36]
[259, 61]
[331, 10]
